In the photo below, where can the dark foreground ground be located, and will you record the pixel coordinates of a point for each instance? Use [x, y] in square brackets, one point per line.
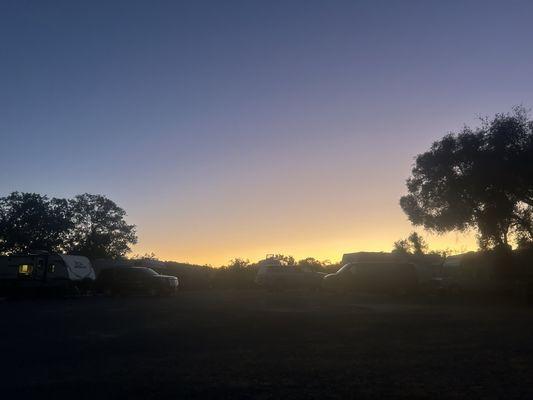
[263, 345]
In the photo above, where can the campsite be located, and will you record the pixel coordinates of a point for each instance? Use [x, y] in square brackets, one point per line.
[225, 335]
[273, 200]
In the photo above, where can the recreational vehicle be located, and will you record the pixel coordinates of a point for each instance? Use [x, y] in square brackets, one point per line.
[43, 272]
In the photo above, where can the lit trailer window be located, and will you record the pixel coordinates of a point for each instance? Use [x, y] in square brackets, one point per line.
[25, 269]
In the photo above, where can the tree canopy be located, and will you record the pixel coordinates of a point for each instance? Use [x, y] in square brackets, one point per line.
[312, 263]
[480, 178]
[89, 225]
[30, 221]
[100, 229]
[413, 244]
[238, 263]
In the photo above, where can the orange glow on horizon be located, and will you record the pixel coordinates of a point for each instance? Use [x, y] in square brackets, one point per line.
[312, 201]
[331, 251]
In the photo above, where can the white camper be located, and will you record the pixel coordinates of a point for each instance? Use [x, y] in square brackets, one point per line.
[43, 271]
[78, 267]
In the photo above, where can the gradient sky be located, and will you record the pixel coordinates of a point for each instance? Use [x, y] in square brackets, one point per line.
[239, 128]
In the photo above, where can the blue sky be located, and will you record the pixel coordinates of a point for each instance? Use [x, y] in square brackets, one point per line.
[241, 128]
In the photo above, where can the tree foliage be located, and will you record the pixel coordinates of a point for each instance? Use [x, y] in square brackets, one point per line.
[100, 229]
[287, 260]
[312, 264]
[30, 221]
[413, 244]
[90, 225]
[238, 263]
[477, 179]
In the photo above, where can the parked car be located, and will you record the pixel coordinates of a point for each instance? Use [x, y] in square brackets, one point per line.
[273, 275]
[374, 277]
[42, 272]
[135, 280]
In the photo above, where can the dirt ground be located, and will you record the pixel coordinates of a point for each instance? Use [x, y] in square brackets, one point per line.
[263, 345]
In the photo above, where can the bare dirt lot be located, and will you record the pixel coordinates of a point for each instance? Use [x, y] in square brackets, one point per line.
[263, 345]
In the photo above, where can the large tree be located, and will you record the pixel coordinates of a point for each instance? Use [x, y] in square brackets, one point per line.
[478, 179]
[30, 221]
[90, 225]
[100, 230]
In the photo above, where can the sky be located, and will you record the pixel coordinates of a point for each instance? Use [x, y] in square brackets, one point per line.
[239, 128]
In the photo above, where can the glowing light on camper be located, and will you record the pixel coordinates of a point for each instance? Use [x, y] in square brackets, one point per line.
[25, 269]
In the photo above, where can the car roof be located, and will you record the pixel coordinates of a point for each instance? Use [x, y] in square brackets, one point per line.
[381, 265]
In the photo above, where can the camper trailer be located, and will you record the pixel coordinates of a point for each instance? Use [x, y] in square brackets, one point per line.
[44, 272]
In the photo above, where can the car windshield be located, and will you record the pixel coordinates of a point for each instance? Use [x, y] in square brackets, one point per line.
[146, 271]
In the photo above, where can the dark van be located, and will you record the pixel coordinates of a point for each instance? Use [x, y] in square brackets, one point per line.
[135, 280]
[374, 277]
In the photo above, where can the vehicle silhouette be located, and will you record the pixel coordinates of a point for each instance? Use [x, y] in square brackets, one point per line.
[374, 277]
[135, 280]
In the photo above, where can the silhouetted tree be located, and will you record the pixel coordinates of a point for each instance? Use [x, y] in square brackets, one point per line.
[402, 246]
[238, 263]
[414, 244]
[477, 179]
[312, 264]
[30, 221]
[288, 260]
[99, 228]
[145, 257]
[418, 243]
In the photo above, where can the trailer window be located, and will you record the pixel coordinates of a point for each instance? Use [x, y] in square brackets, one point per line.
[25, 269]
[51, 268]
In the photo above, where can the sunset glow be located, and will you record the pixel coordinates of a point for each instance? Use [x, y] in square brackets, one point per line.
[247, 128]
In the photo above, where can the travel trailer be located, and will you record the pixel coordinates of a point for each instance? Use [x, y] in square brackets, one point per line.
[44, 272]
